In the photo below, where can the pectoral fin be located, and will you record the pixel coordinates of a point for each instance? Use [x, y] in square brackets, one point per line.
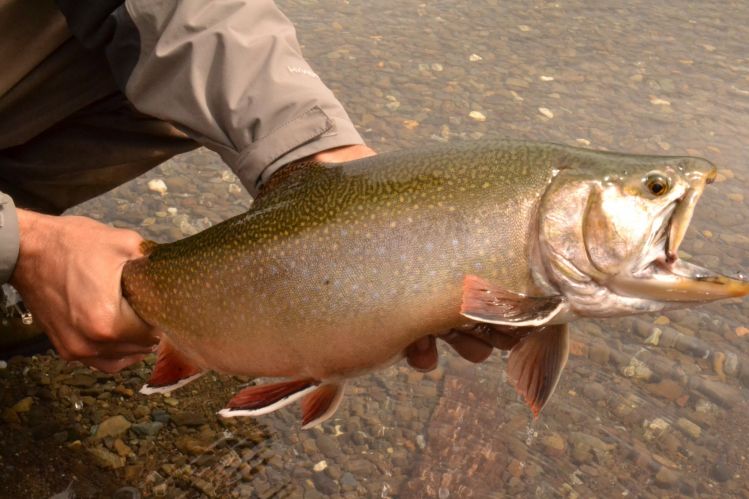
[484, 302]
[536, 364]
[172, 370]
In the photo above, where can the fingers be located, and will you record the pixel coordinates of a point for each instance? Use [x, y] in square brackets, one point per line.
[468, 347]
[422, 354]
[112, 365]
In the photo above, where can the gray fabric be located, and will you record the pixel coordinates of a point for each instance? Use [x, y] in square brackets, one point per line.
[231, 74]
[105, 26]
[9, 237]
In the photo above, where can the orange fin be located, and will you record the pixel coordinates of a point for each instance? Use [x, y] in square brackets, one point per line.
[262, 399]
[536, 363]
[172, 370]
[147, 246]
[321, 404]
[484, 302]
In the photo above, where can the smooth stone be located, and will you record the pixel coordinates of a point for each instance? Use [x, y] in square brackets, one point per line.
[112, 427]
[720, 472]
[666, 478]
[325, 484]
[106, 459]
[688, 427]
[149, 429]
[81, 380]
[595, 391]
[348, 480]
[554, 444]
[328, 445]
[188, 418]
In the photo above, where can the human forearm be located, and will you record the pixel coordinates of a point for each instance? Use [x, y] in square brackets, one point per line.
[68, 273]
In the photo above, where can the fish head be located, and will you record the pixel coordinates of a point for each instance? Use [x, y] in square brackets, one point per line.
[610, 228]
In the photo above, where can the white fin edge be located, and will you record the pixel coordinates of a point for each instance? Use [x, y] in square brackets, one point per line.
[231, 413]
[531, 323]
[332, 408]
[150, 390]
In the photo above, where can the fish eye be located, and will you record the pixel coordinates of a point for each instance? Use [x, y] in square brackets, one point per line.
[657, 184]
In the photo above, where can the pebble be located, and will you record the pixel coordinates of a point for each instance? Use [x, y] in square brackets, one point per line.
[477, 115]
[320, 466]
[122, 448]
[112, 427]
[157, 185]
[106, 459]
[689, 428]
[554, 444]
[23, 405]
[666, 478]
[546, 112]
[188, 418]
[475, 58]
[742, 331]
[594, 391]
[720, 472]
[150, 429]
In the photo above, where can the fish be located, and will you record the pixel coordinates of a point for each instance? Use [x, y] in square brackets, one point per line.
[336, 269]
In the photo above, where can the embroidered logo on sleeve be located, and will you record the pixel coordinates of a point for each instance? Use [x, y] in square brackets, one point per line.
[300, 70]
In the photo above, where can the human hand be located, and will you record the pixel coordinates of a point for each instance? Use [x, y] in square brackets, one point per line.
[343, 154]
[68, 273]
[473, 342]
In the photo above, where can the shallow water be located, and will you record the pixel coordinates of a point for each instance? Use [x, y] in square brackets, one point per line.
[647, 406]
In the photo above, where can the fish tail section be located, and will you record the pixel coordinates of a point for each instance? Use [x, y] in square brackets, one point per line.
[172, 370]
[321, 404]
[263, 399]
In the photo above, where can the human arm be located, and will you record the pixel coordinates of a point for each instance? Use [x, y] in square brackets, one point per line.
[68, 272]
[230, 74]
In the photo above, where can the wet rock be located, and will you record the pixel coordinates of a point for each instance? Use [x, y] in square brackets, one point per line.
[689, 428]
[81, 380]
[666, 388]
[720, 472]
[106, 459]
[554, 444]
[666, 478]
[325, 484]
[348, 480]
[328, 445]
[160, 416]
[23, 405]
[188, 418]
[112, 427]
[122, 448]
[594, 391]
[150, 429]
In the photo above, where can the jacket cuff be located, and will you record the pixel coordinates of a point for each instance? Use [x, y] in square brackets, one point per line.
[9, 237]
[311, 132]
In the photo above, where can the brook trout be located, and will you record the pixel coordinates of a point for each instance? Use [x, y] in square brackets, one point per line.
[338, 268]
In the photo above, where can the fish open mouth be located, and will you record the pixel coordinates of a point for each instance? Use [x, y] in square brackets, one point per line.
[663, 276]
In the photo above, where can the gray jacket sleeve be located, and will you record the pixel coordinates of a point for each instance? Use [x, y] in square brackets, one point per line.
[229, 73]
[9, 238]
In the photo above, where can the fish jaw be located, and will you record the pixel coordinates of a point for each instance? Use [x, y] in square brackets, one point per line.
[680, 281]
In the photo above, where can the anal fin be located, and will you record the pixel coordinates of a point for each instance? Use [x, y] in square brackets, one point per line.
[485, 302]
[321, 404]
[263, 399]
[536, 363]
[172, 370]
